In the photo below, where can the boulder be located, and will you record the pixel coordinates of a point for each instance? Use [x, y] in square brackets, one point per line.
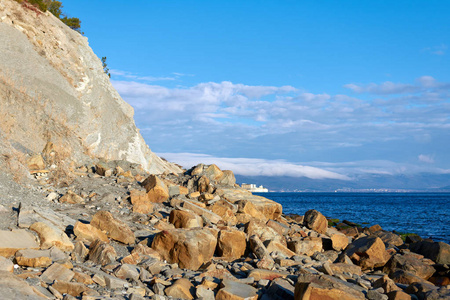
[181, 289]
[205, 213]
[265, 233]
[280, 228]
[439, 252]
[213, 172]
[280, 289]
[57, 272]
[405, 277]
[306, 246]
[389, 238]
[311, 286]
[71, 198]
[185, 219]
[386, 283]
[260, 251]
[89, 233]
[35, 162]
[259, 274]
[140, 201]
[267, 209]
[368, 252]
[233, 290]
[29, 214]
[275, 247]
[316, 221]
[231, 244]
[127, 271]
[51, 235]
[34, 258]
[157, 191]
[223, 210]
[190, 248]
[114, 228]
[12, 241]
[74, 289]
[13, 287]
[102, 253]
[410, 263]
[339, 241]
[227, 178]
[6, 264]
[203, 184]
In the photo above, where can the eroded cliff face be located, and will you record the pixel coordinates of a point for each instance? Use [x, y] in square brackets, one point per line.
[53, 89]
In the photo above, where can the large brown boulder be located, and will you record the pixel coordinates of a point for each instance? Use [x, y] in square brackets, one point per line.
[436, 251]
[267, 209]
[89, 232]
[368, 252]
[141, 202]
[190, 248]
[311, 287]
[185, 219]
[316, 221]
[231, 244]
[265, 233]
[50, 236]
[232, 290]
[157, 191]
[411, 263]
[114, 228]
[306, 246]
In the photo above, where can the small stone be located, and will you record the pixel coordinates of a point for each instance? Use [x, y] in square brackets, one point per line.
[71, 198]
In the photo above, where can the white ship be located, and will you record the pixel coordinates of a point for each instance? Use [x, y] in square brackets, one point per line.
[253, 188]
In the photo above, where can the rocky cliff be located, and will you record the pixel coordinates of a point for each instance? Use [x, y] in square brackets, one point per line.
[53, 89]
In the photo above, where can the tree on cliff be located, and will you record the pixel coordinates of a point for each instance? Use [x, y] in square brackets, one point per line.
[55, 7]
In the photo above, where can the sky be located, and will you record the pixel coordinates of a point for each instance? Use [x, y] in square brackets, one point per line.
[317, 89]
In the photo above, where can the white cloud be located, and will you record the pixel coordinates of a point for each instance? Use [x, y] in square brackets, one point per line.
[436, 50]
[253, 166]
[426, 158]
[385, 88]
[239, 120]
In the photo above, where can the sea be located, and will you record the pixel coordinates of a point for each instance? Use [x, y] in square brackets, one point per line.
[425, 214]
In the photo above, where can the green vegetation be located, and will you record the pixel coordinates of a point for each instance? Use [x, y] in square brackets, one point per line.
[403, 235]
[55, 7]
[333, 222]
[105, 67]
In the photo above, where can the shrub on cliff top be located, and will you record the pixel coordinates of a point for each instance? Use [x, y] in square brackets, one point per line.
[55, 7]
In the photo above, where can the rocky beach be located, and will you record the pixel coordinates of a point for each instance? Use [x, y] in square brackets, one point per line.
[87, 211]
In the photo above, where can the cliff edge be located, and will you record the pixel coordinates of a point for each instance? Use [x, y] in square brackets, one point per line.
[53, 89]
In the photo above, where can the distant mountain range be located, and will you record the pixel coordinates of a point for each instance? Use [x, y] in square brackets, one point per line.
[421, 182]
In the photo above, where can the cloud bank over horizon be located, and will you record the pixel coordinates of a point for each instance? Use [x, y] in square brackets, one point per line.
[314, 170]
[405, 123]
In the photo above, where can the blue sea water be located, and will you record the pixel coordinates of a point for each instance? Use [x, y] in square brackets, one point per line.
[426, 214]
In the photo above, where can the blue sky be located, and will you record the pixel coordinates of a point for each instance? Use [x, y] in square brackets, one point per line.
[322, 89]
